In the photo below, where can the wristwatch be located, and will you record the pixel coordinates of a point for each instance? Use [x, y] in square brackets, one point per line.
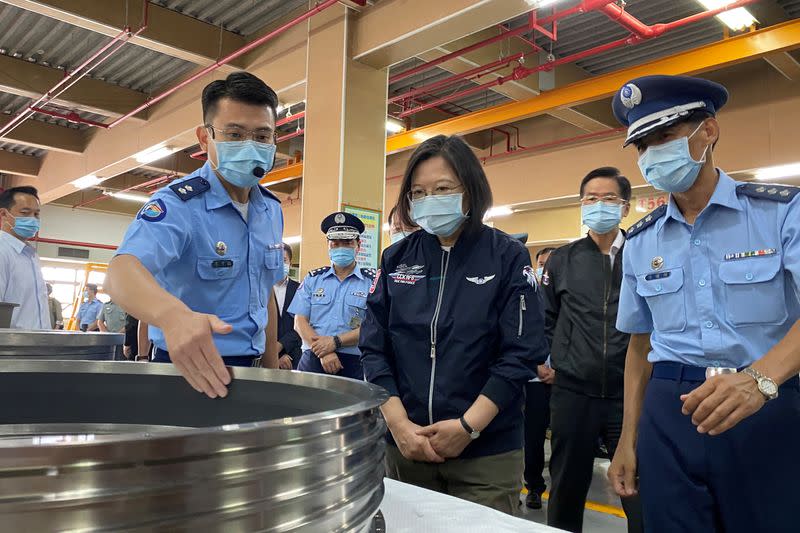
[337, 341]
[473, 434]
[766, 386]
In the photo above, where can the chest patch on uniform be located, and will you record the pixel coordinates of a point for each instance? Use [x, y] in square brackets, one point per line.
[658, 275]
[530, 276]
[755, 253]
[153, 211]
[360, 294]
[222, 263]
[319, 293]
[481, 280]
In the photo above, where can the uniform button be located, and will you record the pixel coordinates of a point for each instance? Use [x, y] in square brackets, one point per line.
[697, 242]
[749, 276]
[709, 324]
[659, 288]
[702, 283]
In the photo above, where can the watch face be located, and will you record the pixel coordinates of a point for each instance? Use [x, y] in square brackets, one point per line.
[768, 387]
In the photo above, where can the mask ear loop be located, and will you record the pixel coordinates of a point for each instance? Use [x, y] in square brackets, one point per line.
[214, 168]
[702, 159]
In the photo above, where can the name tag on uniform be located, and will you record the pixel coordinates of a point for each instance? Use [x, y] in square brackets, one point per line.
[754, 253]
[657, 275]
[222, 263]
[360, 294]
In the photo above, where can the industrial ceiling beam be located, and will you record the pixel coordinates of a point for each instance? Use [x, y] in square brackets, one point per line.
[39, 134]
[747, 47]
[168, 32]
[178, 163]
[94, 96]
[21, 165]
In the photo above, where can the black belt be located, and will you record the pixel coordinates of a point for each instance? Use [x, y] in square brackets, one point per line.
[681, 372]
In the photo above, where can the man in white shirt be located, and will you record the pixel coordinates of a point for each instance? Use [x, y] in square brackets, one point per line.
[21, 280]
[289, 341]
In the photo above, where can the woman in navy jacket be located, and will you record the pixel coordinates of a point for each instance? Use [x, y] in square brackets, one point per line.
[453, 331]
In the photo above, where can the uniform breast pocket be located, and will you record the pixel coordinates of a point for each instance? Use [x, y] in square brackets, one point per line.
[356, 308]
[273, 259]
[217, 268]
[754, 292]
[664, 294]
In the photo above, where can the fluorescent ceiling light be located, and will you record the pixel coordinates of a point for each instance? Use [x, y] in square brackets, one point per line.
[541, 3]
[394, 126]
[735, 19]
[778, 172]
[293, 240]
[128, 196]
[87, 181]
[499, 211]
[153, 154]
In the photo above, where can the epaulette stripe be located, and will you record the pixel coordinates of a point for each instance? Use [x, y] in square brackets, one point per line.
[647, 221]
[186, 190]
[768, 191]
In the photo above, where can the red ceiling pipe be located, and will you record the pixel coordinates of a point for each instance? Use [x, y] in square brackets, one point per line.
[290, 118]
[450, 80]
[71, 117]
[583, 7]
[522, 38]
[75, 243]
[73, 77]
[292, 135]
[553, 144]
[228, 58]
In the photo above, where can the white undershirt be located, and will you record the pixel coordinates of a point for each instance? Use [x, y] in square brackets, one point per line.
[242, 208]
[280, 294]
[615, 247]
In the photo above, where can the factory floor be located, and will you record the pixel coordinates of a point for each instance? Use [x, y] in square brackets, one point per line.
[603, 506]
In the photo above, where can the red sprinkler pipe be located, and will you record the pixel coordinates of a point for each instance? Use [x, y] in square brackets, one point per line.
[71, 117]
[75, 243]
[73, 77]
[290, 118]
[583, 7]
[227, 59]
[292, 135]
[553, 144]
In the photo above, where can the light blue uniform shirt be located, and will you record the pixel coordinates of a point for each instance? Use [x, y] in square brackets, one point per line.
[333, 307]
[21, 283]
[199, 249]
[721, 292]
[89, 311]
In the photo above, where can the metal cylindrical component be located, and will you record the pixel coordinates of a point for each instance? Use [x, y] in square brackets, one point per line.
[45, 344]
[119, 446]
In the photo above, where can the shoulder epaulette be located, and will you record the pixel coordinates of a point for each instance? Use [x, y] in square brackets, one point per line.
[768, 191]
[368, 273]
[318, 271]
[266, 192]
[647, 221]
[186, 190]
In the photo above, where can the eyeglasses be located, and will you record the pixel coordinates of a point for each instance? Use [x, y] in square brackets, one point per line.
[590, 199]
[441, 190]
[241, 134]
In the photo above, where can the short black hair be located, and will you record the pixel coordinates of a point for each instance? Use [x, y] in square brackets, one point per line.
[467, 168]
[7, 196]
[241, 87]
[543, 251]
[610, 173]
[288, 250]
[91, 286]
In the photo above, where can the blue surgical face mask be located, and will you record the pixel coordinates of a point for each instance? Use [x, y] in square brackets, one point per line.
[539, 272]
[342, 256]
[26, 227]
[286, 267]
[238, 159]
[669, 167]
[439, 215]
[601, 217]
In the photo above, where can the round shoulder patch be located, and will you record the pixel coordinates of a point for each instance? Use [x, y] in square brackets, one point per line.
[153, 211]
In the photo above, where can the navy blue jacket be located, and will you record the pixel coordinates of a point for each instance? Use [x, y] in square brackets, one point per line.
[487, 339]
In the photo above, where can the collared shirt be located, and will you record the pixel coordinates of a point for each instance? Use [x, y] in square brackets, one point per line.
[333, 307]
[113, 316]
[280, 294]
[88, 311]
[203, 252]
[721, 292]
[21, 282]
[616, 246]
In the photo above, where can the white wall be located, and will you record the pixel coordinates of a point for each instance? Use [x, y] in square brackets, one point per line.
[82, 225]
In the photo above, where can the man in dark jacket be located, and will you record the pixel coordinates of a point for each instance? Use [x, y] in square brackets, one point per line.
[581, 285]
[288, 339]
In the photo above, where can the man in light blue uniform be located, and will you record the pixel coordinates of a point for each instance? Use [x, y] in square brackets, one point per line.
[89, 309]
[710, 296]
[199, 262]
[331, 303]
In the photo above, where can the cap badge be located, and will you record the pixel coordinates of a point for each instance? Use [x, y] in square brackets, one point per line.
[339, 218]
[630, 96]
